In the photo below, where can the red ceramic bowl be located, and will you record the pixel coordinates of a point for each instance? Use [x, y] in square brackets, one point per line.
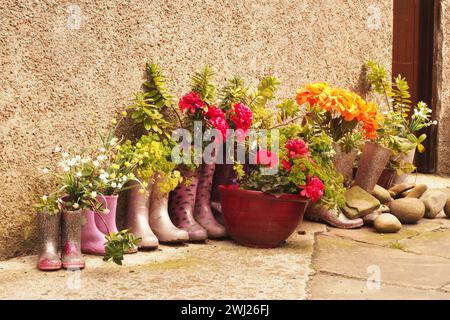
[261, 220]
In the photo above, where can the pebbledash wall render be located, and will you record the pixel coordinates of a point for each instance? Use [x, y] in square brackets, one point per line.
[68, 66]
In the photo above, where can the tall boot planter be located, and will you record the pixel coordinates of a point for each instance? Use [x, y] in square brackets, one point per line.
[137, 220]
[387, 178]
[343, 162]
[49, 241]
[71, 240]
[159, 219]
[409, 157]
[224, 175]
[182, 205]
[374, 159]
[202, 212]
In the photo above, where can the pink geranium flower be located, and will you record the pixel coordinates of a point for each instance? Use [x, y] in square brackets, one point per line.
[241, 116]
[296, 147]
[313, 189]
[191, 102]
[265, 157]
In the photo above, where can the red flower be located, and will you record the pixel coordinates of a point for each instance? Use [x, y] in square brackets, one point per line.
[241, 116]
[192, 102]
[265, 157]
[313, 189]
[286, 165]
[296, 147]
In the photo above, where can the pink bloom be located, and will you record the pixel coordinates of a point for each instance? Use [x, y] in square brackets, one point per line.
[313, 189]
[296, 147]
[265, 157]
[221, 125]
[192, 102]
[214, 112]
[241, 116]
[286, 165]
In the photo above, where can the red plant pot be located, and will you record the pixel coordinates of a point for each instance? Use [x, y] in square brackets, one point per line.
[261, 220]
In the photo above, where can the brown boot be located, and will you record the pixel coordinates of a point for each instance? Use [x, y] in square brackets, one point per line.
[137, 218]
[160, 222]
[335, 218]
[49, 241]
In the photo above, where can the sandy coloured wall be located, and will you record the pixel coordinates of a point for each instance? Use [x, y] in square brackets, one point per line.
[444, 115]
[67, 66]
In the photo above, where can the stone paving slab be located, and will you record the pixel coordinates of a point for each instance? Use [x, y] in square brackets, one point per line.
[324, 286]
[216, 270]
[352, 259]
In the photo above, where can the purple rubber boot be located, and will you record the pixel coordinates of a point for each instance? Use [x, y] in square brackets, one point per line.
[202, 213]
[181, 208]
[92, 239]
[106, 221]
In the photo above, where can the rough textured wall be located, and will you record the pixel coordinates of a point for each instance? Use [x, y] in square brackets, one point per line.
[444, 116]
[64, 71]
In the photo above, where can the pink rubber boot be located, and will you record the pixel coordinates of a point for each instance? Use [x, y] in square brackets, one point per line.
[137, 218]
[92, 239]
[159, 216]
[181, 208]
[106, 221]
[202, 213]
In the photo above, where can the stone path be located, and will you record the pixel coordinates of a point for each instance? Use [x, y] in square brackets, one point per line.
[319, 263]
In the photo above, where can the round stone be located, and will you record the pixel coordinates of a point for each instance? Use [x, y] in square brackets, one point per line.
[407, 210]
[387, 223]
[434, 201]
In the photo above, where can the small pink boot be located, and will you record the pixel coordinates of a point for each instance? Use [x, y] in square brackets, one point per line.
[71, 240]
[203, 213]
[106, 222]
[92, 239]
[181, 208]
[49, 241]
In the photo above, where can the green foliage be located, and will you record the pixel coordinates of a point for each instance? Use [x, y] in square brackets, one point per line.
[234, 92]
[149, 106]
[202, 83]
[117, 245]
[48, 204]
[265, 92]
[287, 110]
[377, 77]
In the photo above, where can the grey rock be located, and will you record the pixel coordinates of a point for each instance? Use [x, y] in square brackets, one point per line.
[434, 201]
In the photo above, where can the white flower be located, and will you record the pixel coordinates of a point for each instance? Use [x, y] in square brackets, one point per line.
[57, 149]
[45, 170]
[101, 157]
[434, 122]
[85, 160]
[119, 186]
[95, 163]
[75, 205]
[114, 185]
[65, 155]
[44, 198]
[101, 149]
[79, 174]
[124, 178]
[66, 169]
[72, 162]
[93, 194]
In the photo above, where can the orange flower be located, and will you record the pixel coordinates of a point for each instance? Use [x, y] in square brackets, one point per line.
[310, 93]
